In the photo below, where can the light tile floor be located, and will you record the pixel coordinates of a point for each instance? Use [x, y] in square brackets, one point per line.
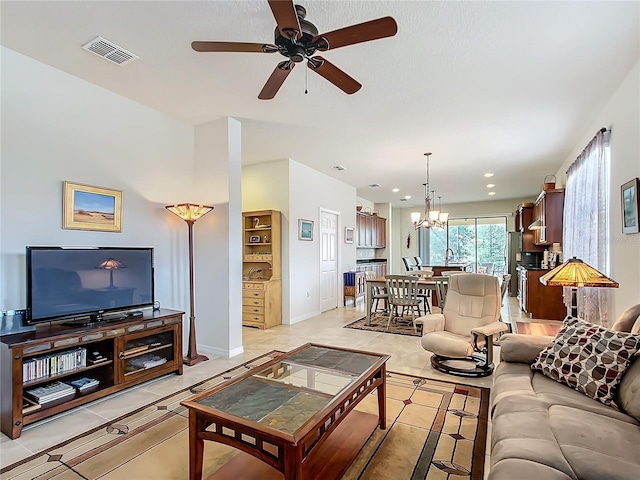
[407, 356]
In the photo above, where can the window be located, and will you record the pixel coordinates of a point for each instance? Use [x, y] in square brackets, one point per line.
[478, 244]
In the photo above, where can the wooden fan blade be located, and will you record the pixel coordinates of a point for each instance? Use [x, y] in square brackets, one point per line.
[332, 73]
[275, 81]
[362, 32]
[233, 47]
[286, 18]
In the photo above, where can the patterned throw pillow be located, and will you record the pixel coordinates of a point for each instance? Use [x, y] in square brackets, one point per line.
[589, 358]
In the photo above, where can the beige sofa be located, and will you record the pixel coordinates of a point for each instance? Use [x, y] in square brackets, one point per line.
[545, 430]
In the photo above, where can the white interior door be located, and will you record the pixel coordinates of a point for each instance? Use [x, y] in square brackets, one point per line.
[328, 261]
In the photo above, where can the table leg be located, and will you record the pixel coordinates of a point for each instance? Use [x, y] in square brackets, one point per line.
[368, 303]
[382, 398]
[196, 446]
[292, 462]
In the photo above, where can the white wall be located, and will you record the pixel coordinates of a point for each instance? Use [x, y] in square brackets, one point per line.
[300, 192]
[266, 187]
[622, 115]
[310, 191]
[218, 239]
[56, 127]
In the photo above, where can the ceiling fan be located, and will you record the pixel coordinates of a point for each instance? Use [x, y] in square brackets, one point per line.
[298, 39]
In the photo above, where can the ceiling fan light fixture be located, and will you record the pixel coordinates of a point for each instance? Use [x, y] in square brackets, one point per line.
[297, 39]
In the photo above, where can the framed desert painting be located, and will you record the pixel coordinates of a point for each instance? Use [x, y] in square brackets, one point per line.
[91, 208]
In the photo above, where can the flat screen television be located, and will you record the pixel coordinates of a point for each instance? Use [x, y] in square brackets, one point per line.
[75, 282]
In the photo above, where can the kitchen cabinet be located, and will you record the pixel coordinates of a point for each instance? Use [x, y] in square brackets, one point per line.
[379, 269]
[371, 230]
[538, 300]
[525, 216]
[548, 210]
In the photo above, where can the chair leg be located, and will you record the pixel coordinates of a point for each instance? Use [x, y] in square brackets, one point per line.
[390, 315]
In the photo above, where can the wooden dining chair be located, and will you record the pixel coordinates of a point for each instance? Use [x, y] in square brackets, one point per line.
[409, 263]
[402, 291]
[378, 294]
[441, 290]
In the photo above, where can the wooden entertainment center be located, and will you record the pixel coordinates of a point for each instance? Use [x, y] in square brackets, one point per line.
[117, 354]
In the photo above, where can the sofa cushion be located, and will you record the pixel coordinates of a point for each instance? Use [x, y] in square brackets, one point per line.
[595, 446]
[513, 380]
[629, 390]
[589, 358]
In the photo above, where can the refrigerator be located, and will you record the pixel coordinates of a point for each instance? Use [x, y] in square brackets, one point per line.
[515, 244]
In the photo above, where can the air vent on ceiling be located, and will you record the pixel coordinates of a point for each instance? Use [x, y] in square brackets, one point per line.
[339, 167]
[403, 199]
[109, 51]
[374, 185]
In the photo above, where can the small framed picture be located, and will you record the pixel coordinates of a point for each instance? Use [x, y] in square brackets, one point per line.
[254, 239]
[91, 208]
[348, 234]
[630, 206]
[305, 229]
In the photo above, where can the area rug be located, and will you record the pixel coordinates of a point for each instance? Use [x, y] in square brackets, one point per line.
[436, 430]
[379, 324]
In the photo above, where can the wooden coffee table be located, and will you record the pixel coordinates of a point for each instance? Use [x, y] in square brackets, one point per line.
[295, 414]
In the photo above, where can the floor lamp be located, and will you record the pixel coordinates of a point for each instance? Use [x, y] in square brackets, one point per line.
[190, 212]
[576, 274]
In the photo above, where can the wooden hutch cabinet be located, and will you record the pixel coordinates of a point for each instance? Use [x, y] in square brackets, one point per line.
[261, 269]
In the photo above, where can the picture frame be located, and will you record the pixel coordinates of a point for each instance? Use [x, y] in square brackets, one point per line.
[305, 229]
[87, 207]
[254, 239]
[348, 234]
[630, 203]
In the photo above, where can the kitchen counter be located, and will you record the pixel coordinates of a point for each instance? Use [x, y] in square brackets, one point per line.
[528, 267]
[371, 260]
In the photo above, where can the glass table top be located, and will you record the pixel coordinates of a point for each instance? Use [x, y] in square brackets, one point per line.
[287, 394]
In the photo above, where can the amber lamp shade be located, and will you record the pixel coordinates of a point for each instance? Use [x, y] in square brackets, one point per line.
[111, 264]
[190, 212]
[576, 274]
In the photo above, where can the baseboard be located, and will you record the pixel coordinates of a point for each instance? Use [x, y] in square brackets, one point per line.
[301, 318]
[220, 352]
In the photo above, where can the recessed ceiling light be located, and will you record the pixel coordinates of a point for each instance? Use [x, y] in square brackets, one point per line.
[407, 197]
[374, 185]
[492, 193]
[339, 167]
[395, 190]
[488, 175]
[490, 185]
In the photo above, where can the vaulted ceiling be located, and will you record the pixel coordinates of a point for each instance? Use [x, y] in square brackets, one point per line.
[503, 87]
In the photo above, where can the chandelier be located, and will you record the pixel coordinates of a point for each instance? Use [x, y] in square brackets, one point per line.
[430, 218]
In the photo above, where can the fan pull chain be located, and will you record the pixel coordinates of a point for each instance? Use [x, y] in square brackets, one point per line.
[306, 78]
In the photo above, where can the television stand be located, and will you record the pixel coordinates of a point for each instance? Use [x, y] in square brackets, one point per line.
[118, 354]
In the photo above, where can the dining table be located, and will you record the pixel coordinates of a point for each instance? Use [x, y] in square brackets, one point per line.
[426, 283]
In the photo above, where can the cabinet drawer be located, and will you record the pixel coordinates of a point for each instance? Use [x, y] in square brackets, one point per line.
[253, 302]
[253, 309]
[253, 286]
[252, 318]
[252, 294]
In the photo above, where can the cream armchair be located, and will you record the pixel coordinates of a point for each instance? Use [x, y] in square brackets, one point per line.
[466, 327]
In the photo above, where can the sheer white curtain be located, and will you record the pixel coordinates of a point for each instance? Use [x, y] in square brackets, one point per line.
[586, 222]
